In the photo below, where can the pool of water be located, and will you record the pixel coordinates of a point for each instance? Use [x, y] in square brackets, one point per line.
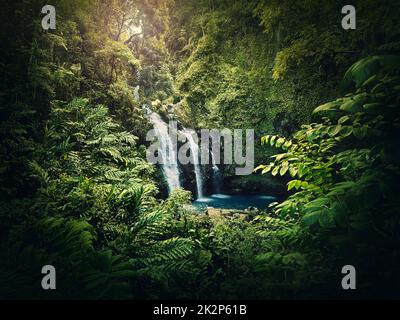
[239, 202]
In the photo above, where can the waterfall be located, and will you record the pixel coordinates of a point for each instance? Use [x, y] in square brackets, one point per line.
[216, 175]
[167, 151]
[137, 87]
[136, 93]
[194, 151]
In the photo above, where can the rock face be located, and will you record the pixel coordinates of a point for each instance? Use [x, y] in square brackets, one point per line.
[254, 184]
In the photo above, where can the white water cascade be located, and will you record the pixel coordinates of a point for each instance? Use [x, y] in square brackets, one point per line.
[136, 93]
[166, 147]
[194, 152]
[167, 151]
[137, 87]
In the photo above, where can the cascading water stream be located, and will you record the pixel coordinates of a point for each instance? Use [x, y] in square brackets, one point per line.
[137, 87]
[136, 93]
[167, 151]
[194, 151]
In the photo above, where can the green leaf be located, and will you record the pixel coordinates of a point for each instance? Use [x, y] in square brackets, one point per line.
[304, 184]
[370, 82]
[373, 107]
[275, 171]
[266, 169]
[279, 142]
[351, 106]
[264, 140]
[283, 170]
[272, 141]
[343, 119]
[334, 130]
[292, 184]
[293, 171]
[330, 106]
[280, 156]
[311, 218]
[362, 71]
[287, 144]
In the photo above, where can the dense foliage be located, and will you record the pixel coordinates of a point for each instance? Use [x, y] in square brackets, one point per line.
[344, 168]
[77, 193]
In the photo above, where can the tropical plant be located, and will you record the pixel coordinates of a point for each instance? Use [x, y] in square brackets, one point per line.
[344, 170]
